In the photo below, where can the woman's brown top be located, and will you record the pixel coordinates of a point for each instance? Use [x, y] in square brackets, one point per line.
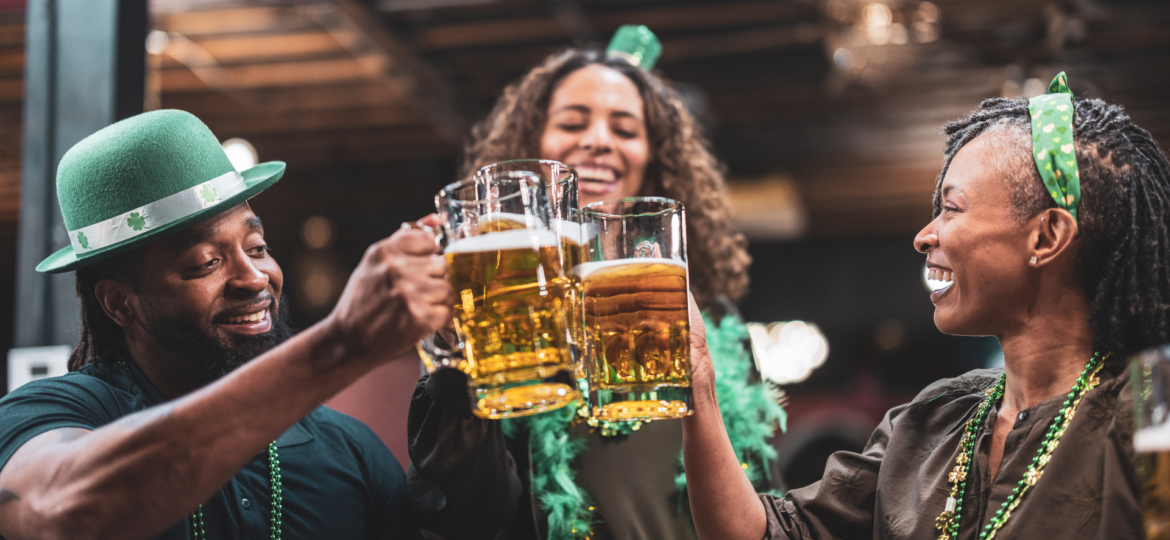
[897, 486]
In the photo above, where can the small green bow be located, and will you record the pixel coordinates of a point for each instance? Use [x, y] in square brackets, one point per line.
[637, 45]
[1052, 144]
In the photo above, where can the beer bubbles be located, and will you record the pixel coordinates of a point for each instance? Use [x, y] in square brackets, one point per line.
[787, 352]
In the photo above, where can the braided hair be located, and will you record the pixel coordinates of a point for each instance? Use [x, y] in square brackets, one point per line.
[101, 340]
[1123, 261]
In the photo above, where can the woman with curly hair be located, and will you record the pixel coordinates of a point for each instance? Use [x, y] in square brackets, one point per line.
[557, 475]
[1051, 233]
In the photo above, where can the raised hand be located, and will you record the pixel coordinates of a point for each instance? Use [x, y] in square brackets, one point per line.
[702, 370]
[398, 294]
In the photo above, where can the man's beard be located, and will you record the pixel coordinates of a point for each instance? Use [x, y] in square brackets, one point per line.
[208, 355]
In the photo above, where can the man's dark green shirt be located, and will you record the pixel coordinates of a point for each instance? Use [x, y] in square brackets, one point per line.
[339, 480]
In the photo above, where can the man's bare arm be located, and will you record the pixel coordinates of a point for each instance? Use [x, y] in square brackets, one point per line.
[141, 474]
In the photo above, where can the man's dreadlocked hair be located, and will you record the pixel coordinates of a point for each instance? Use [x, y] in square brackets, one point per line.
[101, 339]
[1123, 216]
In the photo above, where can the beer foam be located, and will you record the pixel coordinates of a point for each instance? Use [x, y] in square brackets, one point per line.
[513, 239]
[505, 216]
[576, 232]
[1152, 439]
[584, 269]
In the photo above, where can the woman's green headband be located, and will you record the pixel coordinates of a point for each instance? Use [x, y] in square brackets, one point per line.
[1052, 144]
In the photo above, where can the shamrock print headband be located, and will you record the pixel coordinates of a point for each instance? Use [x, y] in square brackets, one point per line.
[1052, 144]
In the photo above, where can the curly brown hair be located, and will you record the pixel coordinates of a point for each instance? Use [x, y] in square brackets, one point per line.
[681, 164]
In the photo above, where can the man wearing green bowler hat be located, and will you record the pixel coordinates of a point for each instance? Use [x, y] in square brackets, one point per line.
[191, 411]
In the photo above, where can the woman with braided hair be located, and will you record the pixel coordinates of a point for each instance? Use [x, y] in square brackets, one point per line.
[557, 475]
[1052, 229]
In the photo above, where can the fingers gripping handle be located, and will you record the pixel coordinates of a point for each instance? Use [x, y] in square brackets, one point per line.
[440, 239]
[432, 349]
[435, 355]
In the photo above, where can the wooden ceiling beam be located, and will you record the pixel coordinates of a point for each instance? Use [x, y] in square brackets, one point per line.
[11, 90]
[10, 194]
[283, 100]
[225, 126]
[710, 16]
[340, 26]
[285, 74]
[12, 34]
[376, 137]
[240, 49]
[505, 31]
[234, 21]
[470, 35]
[352, 145]
[303, 156]
[432, 94]
[740, 41]
[521, 56]
[12, 62]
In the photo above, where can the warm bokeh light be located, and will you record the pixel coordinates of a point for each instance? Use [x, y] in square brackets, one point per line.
[157, 42]
[318, 232]
[241, 153]
[788, 352]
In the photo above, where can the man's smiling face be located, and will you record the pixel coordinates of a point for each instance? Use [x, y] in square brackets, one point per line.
[211, 294]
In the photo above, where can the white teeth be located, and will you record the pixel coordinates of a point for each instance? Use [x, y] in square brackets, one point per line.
[938, 279]
[253, 318]
[935, 274]
[600, 174]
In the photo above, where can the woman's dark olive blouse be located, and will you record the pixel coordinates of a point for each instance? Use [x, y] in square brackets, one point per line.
[897, 486]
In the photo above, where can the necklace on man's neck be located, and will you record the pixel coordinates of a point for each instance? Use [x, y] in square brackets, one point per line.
[274, 485]
[948, 522]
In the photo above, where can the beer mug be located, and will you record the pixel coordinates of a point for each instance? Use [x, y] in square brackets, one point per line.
[561, 182]
[637, 322]
[1150, 383]
[505, 265]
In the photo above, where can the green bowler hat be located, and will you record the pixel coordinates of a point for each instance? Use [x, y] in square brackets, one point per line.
[141, 179]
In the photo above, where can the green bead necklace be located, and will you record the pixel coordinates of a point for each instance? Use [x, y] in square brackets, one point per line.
[275, 524]
[948, 522]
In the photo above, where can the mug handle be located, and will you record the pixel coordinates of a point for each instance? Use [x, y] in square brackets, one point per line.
[435, 356]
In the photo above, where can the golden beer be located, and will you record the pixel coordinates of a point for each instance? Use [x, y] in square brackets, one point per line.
[510, 313]
[1153, 470]
[573, 252]
[638, 336]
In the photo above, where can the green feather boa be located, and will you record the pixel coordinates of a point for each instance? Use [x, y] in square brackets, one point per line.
[750, 413]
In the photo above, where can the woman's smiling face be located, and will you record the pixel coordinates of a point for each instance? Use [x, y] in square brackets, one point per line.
[977, 244]
[596, 124]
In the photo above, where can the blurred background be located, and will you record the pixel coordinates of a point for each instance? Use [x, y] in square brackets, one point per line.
[826, 113]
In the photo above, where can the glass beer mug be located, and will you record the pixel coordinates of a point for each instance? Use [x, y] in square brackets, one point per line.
[561, 182]
[1150, 382]
[505, 264]
[637, 320]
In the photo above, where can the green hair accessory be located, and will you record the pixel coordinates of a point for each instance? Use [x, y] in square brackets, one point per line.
[1052, 144]
[637, 45]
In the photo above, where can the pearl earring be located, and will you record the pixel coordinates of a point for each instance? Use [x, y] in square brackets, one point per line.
[1033, 260]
